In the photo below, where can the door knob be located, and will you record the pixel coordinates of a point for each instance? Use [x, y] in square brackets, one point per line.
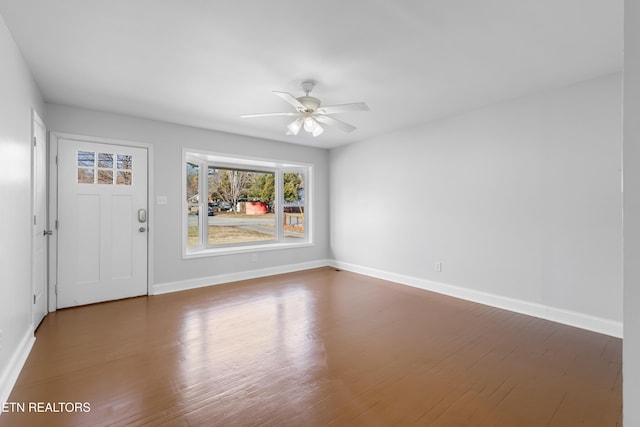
[141, 229]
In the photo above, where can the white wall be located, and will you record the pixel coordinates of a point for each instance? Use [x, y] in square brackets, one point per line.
[170, 270]
[519, 200]
[631, 345]
[18, 95]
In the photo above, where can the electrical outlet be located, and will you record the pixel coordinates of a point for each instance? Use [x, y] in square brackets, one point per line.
[437, 267]
[161, 200]
[254, 257]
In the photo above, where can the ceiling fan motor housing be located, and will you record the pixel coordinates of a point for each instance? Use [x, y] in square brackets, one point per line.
[310, 103]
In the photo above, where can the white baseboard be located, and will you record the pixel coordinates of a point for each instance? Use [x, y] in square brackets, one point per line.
[567, 317]
[10, 374]
[182, 285]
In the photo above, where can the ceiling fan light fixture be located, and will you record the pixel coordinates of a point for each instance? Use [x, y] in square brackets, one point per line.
[294, 127]
[309, 124]
[317, 130]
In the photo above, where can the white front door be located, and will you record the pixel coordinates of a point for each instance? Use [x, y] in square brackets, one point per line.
[39, 229]
[102, 222]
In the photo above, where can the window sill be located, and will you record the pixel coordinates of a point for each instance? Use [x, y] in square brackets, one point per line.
[209, 252]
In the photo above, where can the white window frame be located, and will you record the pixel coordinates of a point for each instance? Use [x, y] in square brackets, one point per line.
[206, 159]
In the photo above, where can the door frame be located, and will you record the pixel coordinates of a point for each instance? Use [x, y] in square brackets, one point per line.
[36, 118]
[54, 138]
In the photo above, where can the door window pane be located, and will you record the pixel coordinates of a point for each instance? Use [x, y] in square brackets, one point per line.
[124, 178]
[105, 176]
[86, 176]
[86, 158]
[124, 161]
[105, 160]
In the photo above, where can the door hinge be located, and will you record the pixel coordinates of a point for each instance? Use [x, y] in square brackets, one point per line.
[56, 224]
[56, 160]
[55, 289]
[35, 141]
[34, 298]
[34, 220]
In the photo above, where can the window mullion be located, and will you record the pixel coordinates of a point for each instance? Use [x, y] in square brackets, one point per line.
[278, 208]
[204, 202]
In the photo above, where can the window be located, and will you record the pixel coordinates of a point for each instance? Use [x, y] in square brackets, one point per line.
[241, 205]
[111, 168]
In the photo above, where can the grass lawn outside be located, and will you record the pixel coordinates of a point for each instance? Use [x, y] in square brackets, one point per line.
[222, 235]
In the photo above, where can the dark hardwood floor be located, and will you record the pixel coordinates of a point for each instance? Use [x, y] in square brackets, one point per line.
[316, 348]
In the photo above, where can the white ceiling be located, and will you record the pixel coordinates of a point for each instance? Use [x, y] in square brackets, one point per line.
[204, 63]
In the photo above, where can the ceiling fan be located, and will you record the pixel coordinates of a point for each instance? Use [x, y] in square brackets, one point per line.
[310, 114]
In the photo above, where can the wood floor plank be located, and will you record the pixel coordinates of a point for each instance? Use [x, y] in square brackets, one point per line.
[314, 348]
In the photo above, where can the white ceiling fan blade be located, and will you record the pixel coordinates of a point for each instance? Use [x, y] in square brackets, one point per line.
[342, 108]
[295, 126]
[327, 120]
[268, 114]
[291, 100]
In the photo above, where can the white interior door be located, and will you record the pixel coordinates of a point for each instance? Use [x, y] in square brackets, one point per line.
[39, 231]
[102, 222]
